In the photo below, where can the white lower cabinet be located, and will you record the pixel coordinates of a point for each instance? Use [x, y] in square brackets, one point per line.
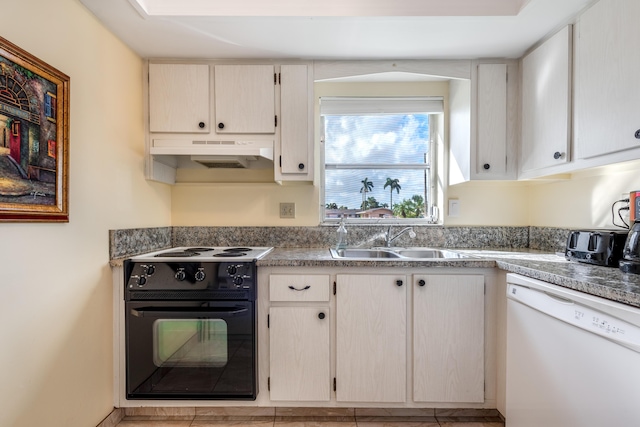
[408, 338]
[371, 338]
[299, 356]
[299, 338]
[448, 338]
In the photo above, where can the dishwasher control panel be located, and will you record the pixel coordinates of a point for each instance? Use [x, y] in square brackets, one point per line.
[578, 315]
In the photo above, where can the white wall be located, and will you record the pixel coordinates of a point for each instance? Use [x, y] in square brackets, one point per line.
[257, 203]
[489, 203]
[584, 200]
[55, 285]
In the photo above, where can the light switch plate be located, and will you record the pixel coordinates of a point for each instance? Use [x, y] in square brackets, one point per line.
[287, 210]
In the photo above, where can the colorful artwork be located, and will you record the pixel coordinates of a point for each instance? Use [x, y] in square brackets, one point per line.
[34, 123]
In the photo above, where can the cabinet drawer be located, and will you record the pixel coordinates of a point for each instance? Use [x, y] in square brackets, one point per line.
[298, 287]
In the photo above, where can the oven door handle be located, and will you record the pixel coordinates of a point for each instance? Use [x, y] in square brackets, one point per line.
[181, 312]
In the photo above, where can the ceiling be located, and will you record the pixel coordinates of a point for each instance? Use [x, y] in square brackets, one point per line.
[333, 29]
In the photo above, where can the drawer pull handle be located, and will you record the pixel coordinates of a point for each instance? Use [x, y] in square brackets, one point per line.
[293, 288]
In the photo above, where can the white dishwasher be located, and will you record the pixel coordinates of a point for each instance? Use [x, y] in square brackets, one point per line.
[573, 360]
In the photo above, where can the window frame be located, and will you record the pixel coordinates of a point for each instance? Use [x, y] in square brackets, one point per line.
[431, 202]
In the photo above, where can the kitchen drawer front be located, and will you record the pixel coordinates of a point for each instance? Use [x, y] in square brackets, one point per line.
[299, 287]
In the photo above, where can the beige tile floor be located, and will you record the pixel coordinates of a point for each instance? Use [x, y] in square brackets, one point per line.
[308, 417]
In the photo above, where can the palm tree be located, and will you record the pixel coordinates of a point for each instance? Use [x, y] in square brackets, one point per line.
[366, 187]
[372, 203]
[410, 208]
[393, 184]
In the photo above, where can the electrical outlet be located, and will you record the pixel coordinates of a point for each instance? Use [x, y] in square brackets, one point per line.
[287, 210]
[454, 208]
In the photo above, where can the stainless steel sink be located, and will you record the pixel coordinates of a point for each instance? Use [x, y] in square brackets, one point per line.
[394, 253]
[363, 253]
[421, 253]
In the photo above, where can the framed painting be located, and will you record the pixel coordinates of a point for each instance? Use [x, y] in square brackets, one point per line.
[34, 138]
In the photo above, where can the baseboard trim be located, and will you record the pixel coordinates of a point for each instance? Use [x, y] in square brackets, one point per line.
[113, 418]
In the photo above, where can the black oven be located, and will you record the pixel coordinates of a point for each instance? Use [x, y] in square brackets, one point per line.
[190, 330]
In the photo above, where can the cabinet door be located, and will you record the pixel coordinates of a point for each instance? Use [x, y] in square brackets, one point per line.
[607, 82]
[299, 354]
[244, 99]
[371, 338]
[491, 142]
[294, 120]
[179, 98]
[546, 95]
[448, 338]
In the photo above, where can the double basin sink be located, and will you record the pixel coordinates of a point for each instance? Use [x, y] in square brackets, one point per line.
[398, 254]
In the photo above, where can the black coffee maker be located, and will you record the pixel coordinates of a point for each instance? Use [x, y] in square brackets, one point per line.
[630, 262]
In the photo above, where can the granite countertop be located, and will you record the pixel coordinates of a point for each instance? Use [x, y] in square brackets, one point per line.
[605, 282]
[321, 257]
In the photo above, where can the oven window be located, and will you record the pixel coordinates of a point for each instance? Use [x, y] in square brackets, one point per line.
[190, 343]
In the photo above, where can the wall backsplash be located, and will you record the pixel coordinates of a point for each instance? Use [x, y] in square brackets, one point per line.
[128, 242]
[134, 241]
[548, 238]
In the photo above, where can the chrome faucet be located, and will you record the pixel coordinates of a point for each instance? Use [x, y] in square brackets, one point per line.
[388, 239]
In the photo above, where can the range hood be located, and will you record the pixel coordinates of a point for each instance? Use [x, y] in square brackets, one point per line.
[217, 154]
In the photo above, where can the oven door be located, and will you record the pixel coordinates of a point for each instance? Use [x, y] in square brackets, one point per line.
[191, 350]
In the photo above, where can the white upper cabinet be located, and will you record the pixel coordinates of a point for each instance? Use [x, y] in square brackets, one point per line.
[219, 104]
[546, 104]
[179, 98]
[296, 124]
[245, 99]
[483, 123]
[491, 107]
[608, 80]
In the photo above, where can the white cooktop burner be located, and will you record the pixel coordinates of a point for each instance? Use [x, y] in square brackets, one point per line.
[205, 253]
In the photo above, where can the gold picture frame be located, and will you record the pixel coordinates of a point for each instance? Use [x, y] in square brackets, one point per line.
[34, 138]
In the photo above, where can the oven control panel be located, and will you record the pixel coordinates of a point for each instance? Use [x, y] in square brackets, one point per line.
[184, 276]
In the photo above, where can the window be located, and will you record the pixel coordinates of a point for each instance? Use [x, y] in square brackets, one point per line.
[50, 105]
[379, 158]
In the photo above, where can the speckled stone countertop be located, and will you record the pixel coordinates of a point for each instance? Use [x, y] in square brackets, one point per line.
[530, 251]
[321, 257]
[605, 282]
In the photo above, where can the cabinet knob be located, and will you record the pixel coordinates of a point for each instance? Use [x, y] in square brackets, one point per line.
[301, 166]
[638, 134]
[558, 155]
[486, 166]
[321, 315]
[399, 282]
[421, 282]
[220, 125]
[201, 125]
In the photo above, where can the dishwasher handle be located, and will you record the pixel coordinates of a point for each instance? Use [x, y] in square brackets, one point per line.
[558, 298]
